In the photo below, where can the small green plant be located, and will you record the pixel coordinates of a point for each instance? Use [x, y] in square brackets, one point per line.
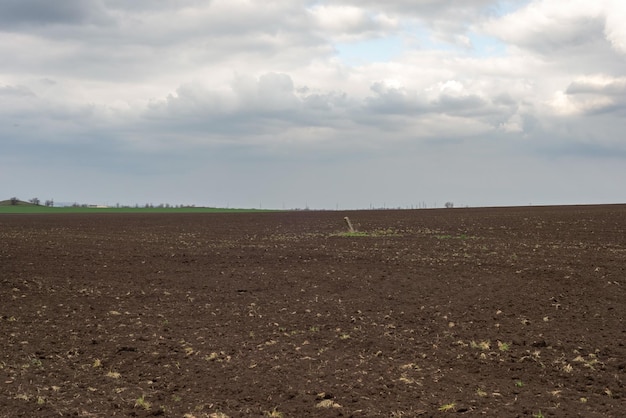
[354, 234]
[591, 363]
[519, 384]
[462, 237]
[538, 415]
[327, 403]
[218, 414]
[483, 345]
[481, 393]
[503, 346]
[447, 407]
[274, 413]
[142, 403]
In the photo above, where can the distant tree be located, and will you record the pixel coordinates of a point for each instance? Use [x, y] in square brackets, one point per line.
[49, 203]
[14, 201]
[34, 201]
[449, 205]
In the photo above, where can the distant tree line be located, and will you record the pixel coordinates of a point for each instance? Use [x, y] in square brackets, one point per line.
[14, 201]
[35, 201]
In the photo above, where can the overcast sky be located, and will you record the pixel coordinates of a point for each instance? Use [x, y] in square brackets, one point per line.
[326, 104]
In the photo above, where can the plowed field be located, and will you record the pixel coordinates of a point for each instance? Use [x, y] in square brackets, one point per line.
[507, 312]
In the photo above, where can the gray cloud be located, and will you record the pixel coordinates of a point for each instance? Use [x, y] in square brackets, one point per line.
[598, 86]
[395, 100]
[552, 37]
[20, 13]
[19, 91]
[430, 8]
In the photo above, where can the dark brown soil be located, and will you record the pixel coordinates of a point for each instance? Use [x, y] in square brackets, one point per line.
[476, 312]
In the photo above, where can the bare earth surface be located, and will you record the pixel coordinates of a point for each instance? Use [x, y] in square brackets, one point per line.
[475, 312]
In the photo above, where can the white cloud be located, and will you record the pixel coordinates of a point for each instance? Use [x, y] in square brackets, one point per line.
[615, 29]
[591, 94]
[349, 22]
[547, 26]
[550, 27]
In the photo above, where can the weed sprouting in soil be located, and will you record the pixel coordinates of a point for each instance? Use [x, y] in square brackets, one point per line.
[22, 397]
[387, 232]
[218, 414]
[354, 234]
[447, 407]
[482, 345]
[274, 413]
[113, 375]
[503, 346]
[142, 403]
[462, 237]
[327, 403]
[35, 362]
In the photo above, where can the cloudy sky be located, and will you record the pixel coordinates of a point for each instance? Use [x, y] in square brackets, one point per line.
[296, 103]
